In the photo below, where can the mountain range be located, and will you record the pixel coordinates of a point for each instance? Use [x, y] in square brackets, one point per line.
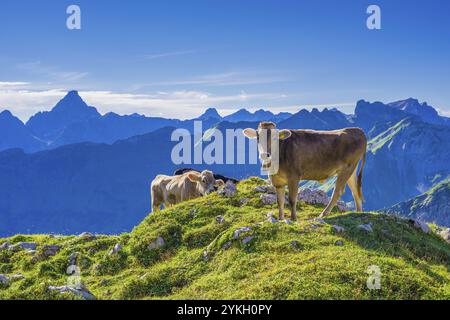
[72, 169]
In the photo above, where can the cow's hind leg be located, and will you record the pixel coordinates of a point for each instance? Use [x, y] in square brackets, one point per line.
[293, 194]
[353, 185]
[337, 193]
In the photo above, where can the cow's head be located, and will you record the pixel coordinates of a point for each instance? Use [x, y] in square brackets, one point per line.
[205, 181]
[268, 136]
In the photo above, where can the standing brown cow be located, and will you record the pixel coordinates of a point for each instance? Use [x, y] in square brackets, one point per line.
[170, 190]
[312, 155]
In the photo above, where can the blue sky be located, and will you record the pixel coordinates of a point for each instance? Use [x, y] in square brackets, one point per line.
[175, 58]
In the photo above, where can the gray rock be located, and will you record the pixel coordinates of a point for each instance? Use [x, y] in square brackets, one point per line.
[87, 236]
[80, 292]
[287, 221]
[243, 201]
[4, 280]
[228, 190]
[73, 259]
[339, 243]
[237, 232]
[247, 239]
[50, 250]
[17, 276]
[227, 245]
[268, 198]
[421, 226]
[338, 229]
[116, 249]
[445, 234]
[220, 219]
[272, 220]
[30, 246]
[317, 196]
[366, 227]
[5, 246]
[320, 221]
[264, 189]
[294, 244]
[314, 226]
[158, 243]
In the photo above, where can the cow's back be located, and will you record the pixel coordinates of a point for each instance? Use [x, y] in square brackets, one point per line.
[316, 155]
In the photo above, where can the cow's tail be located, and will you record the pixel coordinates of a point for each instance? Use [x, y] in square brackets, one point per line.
[360, 173]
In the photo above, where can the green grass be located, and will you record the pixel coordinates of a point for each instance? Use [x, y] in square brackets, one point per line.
[200, 259]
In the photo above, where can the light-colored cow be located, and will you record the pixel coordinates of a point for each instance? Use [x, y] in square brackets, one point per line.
[170, 190]
[312, 155]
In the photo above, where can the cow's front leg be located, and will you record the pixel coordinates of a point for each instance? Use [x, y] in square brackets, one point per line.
[280, 201]
[293, 192]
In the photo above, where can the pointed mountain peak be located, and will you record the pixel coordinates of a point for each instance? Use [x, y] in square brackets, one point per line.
[210, 113]
[72, 100]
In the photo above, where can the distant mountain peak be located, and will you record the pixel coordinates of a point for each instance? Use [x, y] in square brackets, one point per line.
[71, 100]
[210, 113]
[6, 114]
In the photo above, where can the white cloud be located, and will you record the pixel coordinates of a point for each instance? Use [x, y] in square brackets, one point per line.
[51, 72]
[5, 85]
[168, 54]
[219, 79]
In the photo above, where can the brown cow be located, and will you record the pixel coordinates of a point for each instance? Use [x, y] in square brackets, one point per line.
[313, 155]
[170, 190]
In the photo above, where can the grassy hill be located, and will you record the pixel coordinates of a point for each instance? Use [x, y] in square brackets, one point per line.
[186, 252]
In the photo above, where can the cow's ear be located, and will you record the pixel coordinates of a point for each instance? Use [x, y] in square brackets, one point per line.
[284, 134]
[250, 133]
[219, 182]
[194, 177]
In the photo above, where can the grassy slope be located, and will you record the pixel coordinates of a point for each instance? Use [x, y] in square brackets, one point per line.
[413, 265]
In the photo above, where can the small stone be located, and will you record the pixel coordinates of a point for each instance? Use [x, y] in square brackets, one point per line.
[158, 243]
[338, 229]
[287, 221]
[206, 255]
[73, 259]
[247, 239]
[5, 246]
[227, 245]
[264, 189]
[268, 199]
[342, 206]
[243, 201]
[314, 226]
[81, 292]
[50, 250]
[272, 220]
[220, 219]
[228, 190]
[445, 234]
[116, 249]
[4, 280]
[339, 243]
[237, 232]
[320, 221]
[30, 246]
[17, 276]
[294, 244]
[366, 227]
[87, 236]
